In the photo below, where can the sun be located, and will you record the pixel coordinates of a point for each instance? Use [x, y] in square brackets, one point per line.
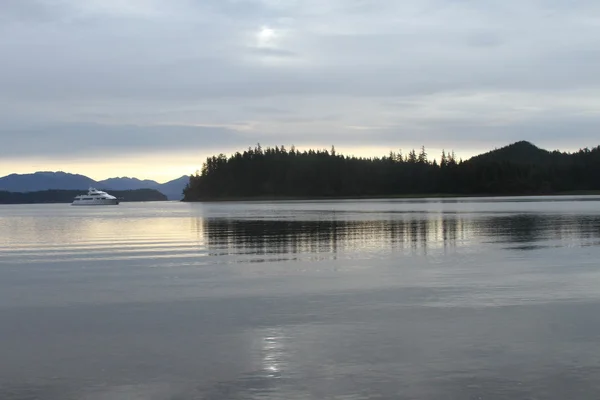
[266, 36]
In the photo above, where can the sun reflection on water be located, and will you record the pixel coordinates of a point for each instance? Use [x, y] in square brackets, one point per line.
[273, 352]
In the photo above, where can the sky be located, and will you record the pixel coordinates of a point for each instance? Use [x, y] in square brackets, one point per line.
[150, 88]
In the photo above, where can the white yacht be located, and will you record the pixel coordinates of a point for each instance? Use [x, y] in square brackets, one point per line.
[95, 197]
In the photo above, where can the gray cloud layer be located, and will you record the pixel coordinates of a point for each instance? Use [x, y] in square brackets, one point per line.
[153, 75]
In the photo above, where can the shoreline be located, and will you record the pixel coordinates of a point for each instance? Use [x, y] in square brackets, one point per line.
[384, 197]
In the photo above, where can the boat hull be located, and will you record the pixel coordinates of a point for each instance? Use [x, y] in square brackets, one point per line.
[103, 202]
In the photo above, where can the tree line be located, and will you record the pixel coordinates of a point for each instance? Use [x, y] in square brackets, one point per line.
[520, 168]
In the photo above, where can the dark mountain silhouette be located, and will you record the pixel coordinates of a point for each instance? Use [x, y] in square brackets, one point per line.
[45, 180]
[174, 189]
[41, 181]
[522, 152]
[126, 183]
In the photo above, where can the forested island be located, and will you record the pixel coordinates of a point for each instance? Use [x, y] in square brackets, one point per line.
[67, 196]
[518, 169]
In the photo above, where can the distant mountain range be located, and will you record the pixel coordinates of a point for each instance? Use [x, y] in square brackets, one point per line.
[45, 180]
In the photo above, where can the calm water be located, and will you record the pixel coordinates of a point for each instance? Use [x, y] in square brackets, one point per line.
[452, 299]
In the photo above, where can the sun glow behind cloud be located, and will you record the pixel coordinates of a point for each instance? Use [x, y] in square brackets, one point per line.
[266, 37]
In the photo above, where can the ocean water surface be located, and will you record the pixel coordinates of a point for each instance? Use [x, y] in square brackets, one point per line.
[479, 298]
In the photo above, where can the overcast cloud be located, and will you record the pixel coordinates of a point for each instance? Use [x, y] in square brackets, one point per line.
[146, 76]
